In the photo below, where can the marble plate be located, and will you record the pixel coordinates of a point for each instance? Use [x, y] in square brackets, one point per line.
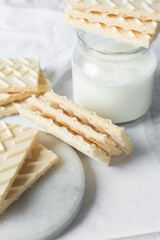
[46, 209]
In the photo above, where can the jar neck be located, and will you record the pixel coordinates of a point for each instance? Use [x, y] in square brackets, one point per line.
[109, 49]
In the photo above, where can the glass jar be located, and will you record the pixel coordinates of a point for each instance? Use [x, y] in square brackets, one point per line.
[112, 78]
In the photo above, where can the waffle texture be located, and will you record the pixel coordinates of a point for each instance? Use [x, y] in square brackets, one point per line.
[44, 86]
[76, 126]
[131, 36]
[90, 118]
[143, 9]
[15, 144]
[126, 23]
[36, 164]
[20, 74]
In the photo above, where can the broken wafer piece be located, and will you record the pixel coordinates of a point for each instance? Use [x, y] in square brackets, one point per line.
[20, 74]
[126, 23]
[105, 126]
[64, 134]
[44, 104]
[90, 134]
[131, 36]
[44, 86]
[36, 164]
[15, 144]
[143, 9]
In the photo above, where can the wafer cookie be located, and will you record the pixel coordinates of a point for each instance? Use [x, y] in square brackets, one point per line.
[15, 144]
[44, 86]
[20, 74]
[143, 9]
[126, 23]
[101, 125]
[75, 140]
[118, 33]
[73, 124]
[36, 164]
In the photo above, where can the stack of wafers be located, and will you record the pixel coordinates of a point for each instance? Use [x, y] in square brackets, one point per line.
[22, 161]
[94, 136]
[19, 79]
[133, 21]
[84, 130]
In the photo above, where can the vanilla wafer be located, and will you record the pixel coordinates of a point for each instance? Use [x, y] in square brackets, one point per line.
[15, 144]
[131, 36]
[90, 134]
[64, 134]
[73, 124]
[101, 125]
[44, 86]
[36, 164]
[126, 23]
[20, 74]
[142, 9]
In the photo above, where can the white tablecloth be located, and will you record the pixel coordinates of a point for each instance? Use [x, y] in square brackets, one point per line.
[122, 200]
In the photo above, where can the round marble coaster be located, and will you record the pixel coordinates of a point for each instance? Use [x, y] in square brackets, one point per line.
[46, 209]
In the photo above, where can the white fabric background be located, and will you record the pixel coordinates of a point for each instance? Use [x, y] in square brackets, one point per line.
[31, 31]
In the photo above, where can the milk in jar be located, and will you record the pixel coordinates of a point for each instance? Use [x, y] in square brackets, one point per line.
[112, 78]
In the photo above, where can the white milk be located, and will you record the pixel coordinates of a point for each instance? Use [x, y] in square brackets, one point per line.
[115, 86]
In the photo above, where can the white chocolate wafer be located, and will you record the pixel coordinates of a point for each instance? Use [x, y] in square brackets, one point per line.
[36, 164]
[20, 74]
[15, 144]
[73, 124]
[84, 130]
[127, 23]
[143, 9]
[64, 134]
[44, 86]
[101, 125]
[118, 33]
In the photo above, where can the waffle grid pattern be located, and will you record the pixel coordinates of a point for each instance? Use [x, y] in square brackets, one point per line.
[37, 163]
[18, 72]
[15, 144]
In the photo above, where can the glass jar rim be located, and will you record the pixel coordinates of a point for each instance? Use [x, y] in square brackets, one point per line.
[80, 36]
